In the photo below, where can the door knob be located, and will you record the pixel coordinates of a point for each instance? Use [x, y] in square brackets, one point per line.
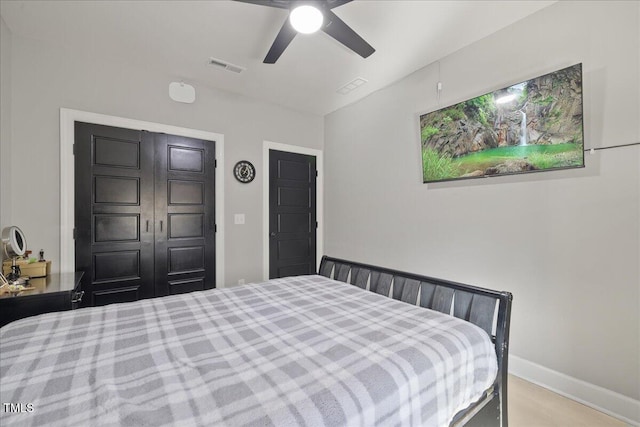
[272, 234]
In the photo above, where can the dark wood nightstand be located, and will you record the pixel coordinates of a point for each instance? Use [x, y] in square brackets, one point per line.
[56, 292]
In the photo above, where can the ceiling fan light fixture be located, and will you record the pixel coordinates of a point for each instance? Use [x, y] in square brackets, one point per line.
[306, 19]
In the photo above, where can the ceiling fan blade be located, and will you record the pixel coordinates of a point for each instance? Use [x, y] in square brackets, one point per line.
[280, 4]
[335, 3]
[284, 37]
[340, 31]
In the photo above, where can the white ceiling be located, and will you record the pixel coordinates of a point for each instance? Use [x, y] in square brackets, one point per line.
[178, 37]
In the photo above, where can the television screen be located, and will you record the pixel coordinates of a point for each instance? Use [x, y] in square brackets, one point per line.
[531, 126]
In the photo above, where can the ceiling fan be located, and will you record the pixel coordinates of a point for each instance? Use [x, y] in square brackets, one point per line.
[314, 15]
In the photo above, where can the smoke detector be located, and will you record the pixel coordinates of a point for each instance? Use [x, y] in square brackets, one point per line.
[182, 92]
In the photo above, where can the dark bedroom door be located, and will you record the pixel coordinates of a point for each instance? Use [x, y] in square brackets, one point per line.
[292, 214]
[139, 200]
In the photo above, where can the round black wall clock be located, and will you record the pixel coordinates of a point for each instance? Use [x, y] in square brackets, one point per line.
[244, 171]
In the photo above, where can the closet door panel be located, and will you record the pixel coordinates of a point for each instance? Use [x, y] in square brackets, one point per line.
[113, 213]
[185, 225]
[185, 192]
[185, 216]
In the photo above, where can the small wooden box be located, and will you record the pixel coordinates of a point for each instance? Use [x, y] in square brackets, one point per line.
[34, 269]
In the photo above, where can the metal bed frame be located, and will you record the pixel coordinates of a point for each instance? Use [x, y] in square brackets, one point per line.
[486, 308]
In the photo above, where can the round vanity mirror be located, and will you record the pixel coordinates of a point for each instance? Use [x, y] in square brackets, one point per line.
[13, 242]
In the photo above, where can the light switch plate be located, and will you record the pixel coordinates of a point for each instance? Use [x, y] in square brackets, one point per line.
[238, 219]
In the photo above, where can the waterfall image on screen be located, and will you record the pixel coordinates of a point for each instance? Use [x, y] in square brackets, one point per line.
[531, 126]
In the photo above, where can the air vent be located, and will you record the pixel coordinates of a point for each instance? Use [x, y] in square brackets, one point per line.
[353, 84]
[226, 65]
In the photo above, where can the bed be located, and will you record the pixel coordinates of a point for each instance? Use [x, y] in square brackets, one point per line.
[354, 345]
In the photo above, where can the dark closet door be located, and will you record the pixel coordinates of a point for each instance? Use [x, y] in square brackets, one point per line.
[144, 213]
[185, 216]
[292, 214]
[114, 213]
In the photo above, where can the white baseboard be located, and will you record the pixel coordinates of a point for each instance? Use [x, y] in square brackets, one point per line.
[609, 402]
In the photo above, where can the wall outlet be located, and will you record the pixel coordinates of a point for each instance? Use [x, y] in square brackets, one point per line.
[240, 281]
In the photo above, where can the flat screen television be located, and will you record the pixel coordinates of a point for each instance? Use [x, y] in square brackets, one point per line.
[532, 126]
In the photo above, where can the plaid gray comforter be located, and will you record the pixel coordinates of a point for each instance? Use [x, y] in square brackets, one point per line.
[304, 351]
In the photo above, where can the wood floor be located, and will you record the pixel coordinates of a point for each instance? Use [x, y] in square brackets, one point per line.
[533, 406]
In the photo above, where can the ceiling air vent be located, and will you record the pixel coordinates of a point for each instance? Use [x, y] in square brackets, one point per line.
[353, 84]
[226, 65]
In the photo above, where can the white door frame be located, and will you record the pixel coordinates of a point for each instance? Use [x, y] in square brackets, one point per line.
[67, 175]
[266, 146]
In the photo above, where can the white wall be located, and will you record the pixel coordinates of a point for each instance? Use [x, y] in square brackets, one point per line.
[46, 78]
[566, 243]
[5, 126]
